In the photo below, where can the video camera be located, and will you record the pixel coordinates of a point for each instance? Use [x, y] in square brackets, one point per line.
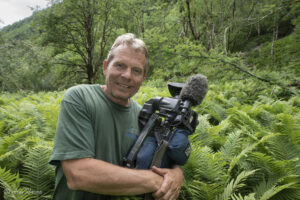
[165, 124]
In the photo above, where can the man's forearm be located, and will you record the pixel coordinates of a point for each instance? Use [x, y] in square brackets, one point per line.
[100, 177]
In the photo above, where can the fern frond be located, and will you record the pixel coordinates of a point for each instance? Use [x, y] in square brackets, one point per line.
[240, 197]
[221, 127]
[38, 174]
[275, 190]
[208, 165]
[282, 148]
[289, 126]
[49, 113]
[279, 107]
[204, 190]
[241, 119]
[235, 184]
[8, 142]
[11, 184]
[13, 159]
[216, 112]
[275, 184]
[247, 150]
[206, 134]
[261, 115]
[204, 124]
[232, 145]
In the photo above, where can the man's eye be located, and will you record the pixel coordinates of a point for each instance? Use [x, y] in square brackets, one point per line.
[137, 71]
[120, 66]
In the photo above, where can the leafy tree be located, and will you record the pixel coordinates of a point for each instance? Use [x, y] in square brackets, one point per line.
[79, 31]
[230, 24]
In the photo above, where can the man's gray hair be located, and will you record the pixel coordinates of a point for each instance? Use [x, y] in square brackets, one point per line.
[130, 40]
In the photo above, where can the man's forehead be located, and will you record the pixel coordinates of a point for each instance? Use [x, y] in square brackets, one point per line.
[125, 48]
[128, 50]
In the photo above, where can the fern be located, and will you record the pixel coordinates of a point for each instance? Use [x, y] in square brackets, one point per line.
[274, 189]
[10, 183]
[235, 184]
[216, 112]
[206, 134]
[232, 145]
[9, 142]
[261, 115]
[204, 190]
[247, 150]
[204, 174]
[237, 134]
[14, 158]
[37, 173]
[242, 119]
[277, 173]
[289, 126]
[240, 197]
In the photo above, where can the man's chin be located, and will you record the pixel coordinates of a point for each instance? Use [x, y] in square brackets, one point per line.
[123, 97]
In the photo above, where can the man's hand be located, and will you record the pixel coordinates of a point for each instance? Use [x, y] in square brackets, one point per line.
[172, 183]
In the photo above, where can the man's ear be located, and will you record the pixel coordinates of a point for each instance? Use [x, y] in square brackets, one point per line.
[104, 68]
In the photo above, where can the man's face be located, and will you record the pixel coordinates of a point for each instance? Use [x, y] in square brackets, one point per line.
[124, 74]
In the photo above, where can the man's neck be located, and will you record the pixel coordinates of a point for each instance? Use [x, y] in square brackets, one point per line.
[120, 101]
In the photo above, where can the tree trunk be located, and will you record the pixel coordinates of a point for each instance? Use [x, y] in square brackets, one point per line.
[232, 27]
[89, 25]
[193, 29]
[142, 19]
[275, 36]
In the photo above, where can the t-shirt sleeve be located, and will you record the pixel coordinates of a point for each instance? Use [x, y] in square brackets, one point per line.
[74, 133]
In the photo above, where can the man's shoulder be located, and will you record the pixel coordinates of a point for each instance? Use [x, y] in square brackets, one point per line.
[134, 105]
[81, 88]
[80, 92]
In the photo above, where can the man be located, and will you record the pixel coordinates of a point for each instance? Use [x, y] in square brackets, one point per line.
[95, 129]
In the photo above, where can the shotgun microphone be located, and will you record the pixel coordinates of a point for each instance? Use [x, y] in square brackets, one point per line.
[194, 89]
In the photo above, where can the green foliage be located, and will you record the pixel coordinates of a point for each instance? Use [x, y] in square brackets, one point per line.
[27, 129]
[247, 143]
[10, 183]
[245, 146]
[38, 174]
[61, 46]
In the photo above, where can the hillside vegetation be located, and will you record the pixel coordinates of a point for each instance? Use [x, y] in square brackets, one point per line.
[243, 148]
[247, 144]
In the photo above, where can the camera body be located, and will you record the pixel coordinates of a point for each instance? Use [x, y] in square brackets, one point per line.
[165, 124]
[173, 112]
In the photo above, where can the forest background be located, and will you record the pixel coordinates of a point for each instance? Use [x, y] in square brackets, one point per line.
[247, 144]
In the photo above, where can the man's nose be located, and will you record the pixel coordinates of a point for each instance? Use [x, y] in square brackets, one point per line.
[127, 73]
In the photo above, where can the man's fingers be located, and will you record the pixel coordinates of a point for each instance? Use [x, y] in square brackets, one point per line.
[171, 185]
[163, 190]
[159, 171]
[168, 188]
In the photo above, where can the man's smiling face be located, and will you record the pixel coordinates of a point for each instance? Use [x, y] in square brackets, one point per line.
[124, 74]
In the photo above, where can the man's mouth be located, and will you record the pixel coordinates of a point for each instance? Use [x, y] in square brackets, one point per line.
[123, 85]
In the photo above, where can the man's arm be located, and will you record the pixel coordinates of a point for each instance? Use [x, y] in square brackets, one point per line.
[100, 177]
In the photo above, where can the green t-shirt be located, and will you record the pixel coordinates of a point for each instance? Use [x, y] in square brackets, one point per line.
[90, 125]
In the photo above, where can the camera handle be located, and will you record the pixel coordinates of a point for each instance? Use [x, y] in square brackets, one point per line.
[129, 161]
